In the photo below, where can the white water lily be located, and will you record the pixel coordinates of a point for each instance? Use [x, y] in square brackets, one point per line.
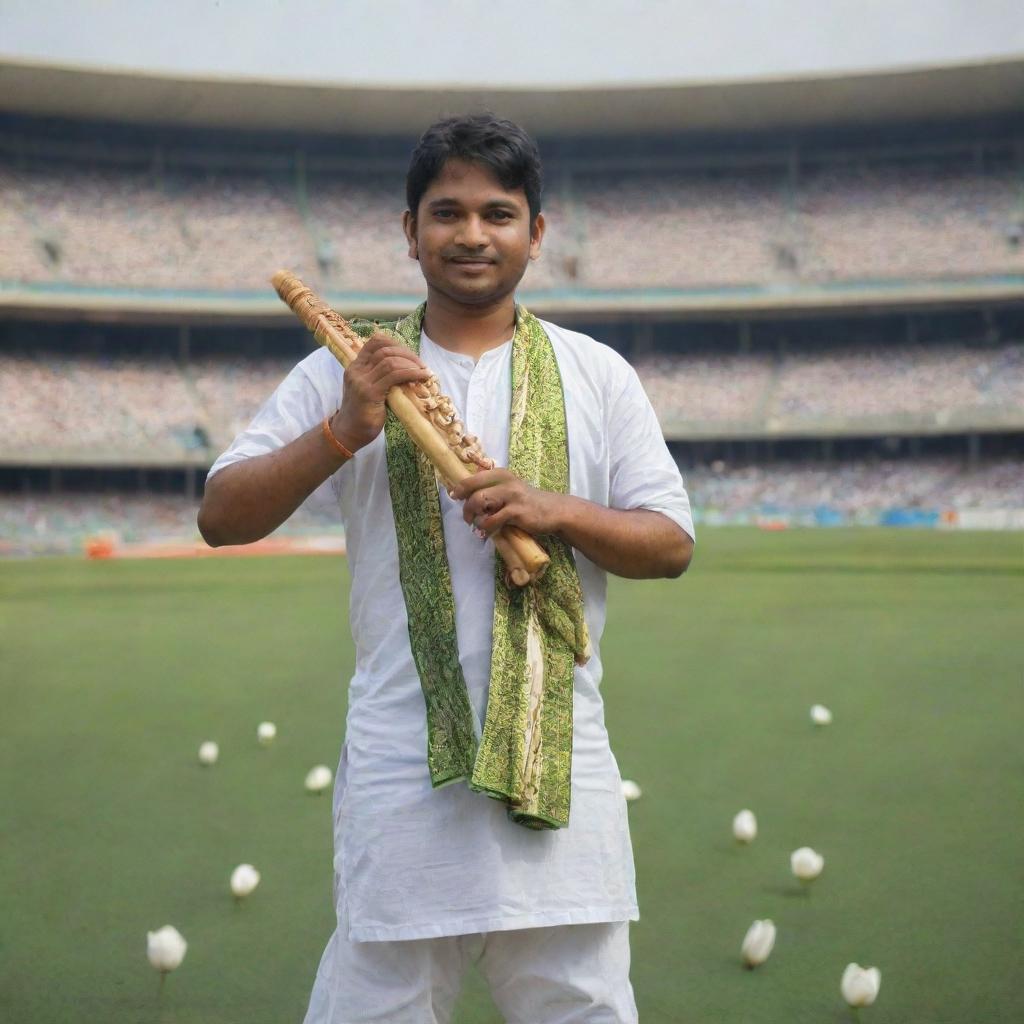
[758, 942]
[165, 948]
[744, 826]
[266, 733]
[244, 879]
[208, 752]
[630, 790]
[806, 864]
[820, 715]
[319, 778]
[860, 985]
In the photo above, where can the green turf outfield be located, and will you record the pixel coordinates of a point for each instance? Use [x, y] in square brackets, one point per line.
[112, 673]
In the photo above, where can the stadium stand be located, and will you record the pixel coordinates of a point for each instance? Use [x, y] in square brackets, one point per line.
[201, 222]
[852, 490]
[158, 408]
[218, 230]
[231, 390]
[859, 486]
[99, 407]
[909, 221]
[64, 523]
[850, 385]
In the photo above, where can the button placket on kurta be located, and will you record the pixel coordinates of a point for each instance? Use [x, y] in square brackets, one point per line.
[481, 396]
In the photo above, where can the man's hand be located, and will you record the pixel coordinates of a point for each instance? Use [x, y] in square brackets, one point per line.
[381, 364]
[636, 543]
[497, 497]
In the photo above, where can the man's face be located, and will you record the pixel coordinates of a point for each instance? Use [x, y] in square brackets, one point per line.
[473, 239]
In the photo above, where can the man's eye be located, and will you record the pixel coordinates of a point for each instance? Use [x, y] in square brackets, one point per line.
[501, 215]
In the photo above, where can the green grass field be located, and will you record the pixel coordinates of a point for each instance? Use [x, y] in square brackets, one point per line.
[112, 673]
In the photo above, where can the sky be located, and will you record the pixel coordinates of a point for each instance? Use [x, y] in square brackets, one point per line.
[506, 44]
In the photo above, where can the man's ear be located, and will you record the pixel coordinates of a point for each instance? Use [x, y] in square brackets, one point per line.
[409, 227]
[536, 234]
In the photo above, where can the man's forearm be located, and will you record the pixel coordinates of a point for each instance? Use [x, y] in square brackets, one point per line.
[251, 498]
[638, 543]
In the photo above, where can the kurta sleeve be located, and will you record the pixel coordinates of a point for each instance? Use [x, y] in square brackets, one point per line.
[311, 391]
[643, 472]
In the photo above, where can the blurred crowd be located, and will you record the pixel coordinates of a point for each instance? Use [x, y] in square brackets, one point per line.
[842, 223]
[856, 486]
[128, 408]
[705, 388]
[62, 523]
[229, 392]
[194, 231]
[853, 488]
[158, 409]
[877, 381]
[229, 230]
[117, 226]
[103, 406]
[848, 383]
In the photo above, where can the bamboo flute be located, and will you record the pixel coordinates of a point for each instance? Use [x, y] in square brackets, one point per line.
[427, 416]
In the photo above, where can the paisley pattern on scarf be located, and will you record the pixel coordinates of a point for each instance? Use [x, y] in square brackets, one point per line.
[524, 756]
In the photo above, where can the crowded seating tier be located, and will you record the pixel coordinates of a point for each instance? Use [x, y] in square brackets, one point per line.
[854, 489]
[161, 408]
[227, 231]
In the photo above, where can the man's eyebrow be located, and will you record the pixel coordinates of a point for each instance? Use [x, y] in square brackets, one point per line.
[491, 204]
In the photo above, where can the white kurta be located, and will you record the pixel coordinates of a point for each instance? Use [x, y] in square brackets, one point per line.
[411, 861]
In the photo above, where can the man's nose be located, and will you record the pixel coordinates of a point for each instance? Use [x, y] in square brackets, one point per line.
[472, 233]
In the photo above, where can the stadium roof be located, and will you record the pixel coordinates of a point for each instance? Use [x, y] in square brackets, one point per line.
[921, 94]
[390, 67]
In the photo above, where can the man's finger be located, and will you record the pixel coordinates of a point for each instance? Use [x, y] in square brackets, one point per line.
[484, 502]
[396, 364]
[391, 351]
[491, 523]
[485, 478]
[379, 338]
[404, 375]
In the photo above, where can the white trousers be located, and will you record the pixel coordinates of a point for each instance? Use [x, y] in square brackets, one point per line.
[565, 974]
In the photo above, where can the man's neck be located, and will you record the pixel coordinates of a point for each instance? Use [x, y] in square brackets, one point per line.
[469, 330]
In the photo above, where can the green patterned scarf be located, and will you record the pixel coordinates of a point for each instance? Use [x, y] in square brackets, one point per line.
[524, 755]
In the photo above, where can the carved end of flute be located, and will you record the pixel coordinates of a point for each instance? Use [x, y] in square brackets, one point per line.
[297, 297]
[288, 286]
[317, 316]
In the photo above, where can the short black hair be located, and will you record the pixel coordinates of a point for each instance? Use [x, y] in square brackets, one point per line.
[492, 142]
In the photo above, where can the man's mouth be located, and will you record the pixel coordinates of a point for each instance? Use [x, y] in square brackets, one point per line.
[472, 261]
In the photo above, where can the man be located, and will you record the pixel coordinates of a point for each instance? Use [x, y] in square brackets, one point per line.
[431, 877]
